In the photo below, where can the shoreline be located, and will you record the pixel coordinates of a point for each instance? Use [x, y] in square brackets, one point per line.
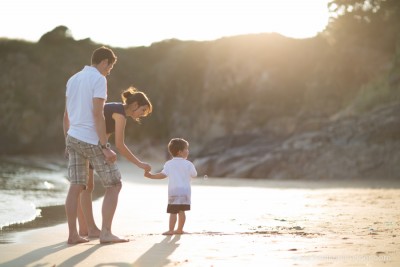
[233, 222]
[49, 216]
[284, 226]
[55, 215]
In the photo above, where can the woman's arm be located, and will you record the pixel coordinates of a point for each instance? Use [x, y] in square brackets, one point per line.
[120, 123]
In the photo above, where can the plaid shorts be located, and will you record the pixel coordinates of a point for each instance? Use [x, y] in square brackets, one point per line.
[80, 155]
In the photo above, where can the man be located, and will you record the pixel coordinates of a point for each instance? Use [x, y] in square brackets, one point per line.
[86, 142]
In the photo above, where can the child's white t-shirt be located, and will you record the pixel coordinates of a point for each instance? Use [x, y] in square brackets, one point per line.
[179, 172]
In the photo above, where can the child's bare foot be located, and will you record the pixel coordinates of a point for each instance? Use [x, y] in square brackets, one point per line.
[168, 233]
[110, 238]
[180, 232]
[76, 239]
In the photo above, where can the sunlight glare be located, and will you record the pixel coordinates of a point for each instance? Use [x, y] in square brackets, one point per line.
[141, 22]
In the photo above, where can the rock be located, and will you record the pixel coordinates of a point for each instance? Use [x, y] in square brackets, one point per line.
[364, 146]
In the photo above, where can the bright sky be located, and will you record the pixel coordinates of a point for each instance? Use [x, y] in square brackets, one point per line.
[127, 23]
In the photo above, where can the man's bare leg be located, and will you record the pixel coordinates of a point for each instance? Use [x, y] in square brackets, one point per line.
[71, 206]
[110, 202]
[172, 222]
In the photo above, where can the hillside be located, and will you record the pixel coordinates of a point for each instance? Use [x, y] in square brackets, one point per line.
[259, 105]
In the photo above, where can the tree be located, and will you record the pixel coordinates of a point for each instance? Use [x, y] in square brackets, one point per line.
[371, 23]
[57, 35]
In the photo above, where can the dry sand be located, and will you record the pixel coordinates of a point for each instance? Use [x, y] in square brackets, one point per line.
[233, 222]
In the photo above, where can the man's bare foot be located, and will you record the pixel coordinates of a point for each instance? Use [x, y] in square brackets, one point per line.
[168, 233]
[110, 238]
[179, 232]
[76, 240]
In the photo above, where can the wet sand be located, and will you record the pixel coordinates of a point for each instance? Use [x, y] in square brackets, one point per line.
[233, 222]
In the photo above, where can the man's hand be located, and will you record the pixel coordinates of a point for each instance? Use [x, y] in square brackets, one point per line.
[66, 154]
[109, 155]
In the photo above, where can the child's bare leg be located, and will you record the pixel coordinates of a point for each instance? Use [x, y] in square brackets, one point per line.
[181, 222]
[172, 222]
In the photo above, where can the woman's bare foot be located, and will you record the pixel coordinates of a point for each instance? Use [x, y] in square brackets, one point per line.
[92, 233]
[110, 238]
[76, 240]
[168, 233]
[83, 232]
[95, 233]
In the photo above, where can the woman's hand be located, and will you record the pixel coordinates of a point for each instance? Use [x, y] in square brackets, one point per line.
[145, 166]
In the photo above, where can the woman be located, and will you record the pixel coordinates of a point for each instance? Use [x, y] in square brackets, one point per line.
[136, 105]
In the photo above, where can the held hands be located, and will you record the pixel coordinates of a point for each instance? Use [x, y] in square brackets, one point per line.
[147, 174]
[145, 166]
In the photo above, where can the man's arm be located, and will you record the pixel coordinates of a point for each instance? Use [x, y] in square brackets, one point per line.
[65, 128]
[65, 120]
[100, 123]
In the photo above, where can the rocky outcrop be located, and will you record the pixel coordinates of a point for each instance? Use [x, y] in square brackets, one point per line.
[346, 147]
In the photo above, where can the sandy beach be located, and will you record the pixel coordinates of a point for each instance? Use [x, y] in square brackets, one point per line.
[233, 222]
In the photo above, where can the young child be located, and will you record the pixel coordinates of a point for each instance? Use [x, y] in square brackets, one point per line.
[179, 171]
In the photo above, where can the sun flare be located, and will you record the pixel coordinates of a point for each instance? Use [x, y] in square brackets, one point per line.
[142, 22]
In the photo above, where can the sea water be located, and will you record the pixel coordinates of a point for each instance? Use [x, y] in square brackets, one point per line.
[26, 188]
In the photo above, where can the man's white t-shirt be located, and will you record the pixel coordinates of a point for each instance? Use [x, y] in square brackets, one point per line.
[82, 87]
[179, 172]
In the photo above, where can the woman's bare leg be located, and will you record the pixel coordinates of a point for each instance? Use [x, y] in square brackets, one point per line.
[83, 231]
[87, 225]
[71, 207]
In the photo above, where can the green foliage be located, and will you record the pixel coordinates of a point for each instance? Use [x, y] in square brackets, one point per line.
[368, 29]
[58, 35]
[377, 93]
[365, 23]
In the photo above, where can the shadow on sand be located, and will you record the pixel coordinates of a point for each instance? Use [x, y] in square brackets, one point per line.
[36, 255]
[156, 256]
